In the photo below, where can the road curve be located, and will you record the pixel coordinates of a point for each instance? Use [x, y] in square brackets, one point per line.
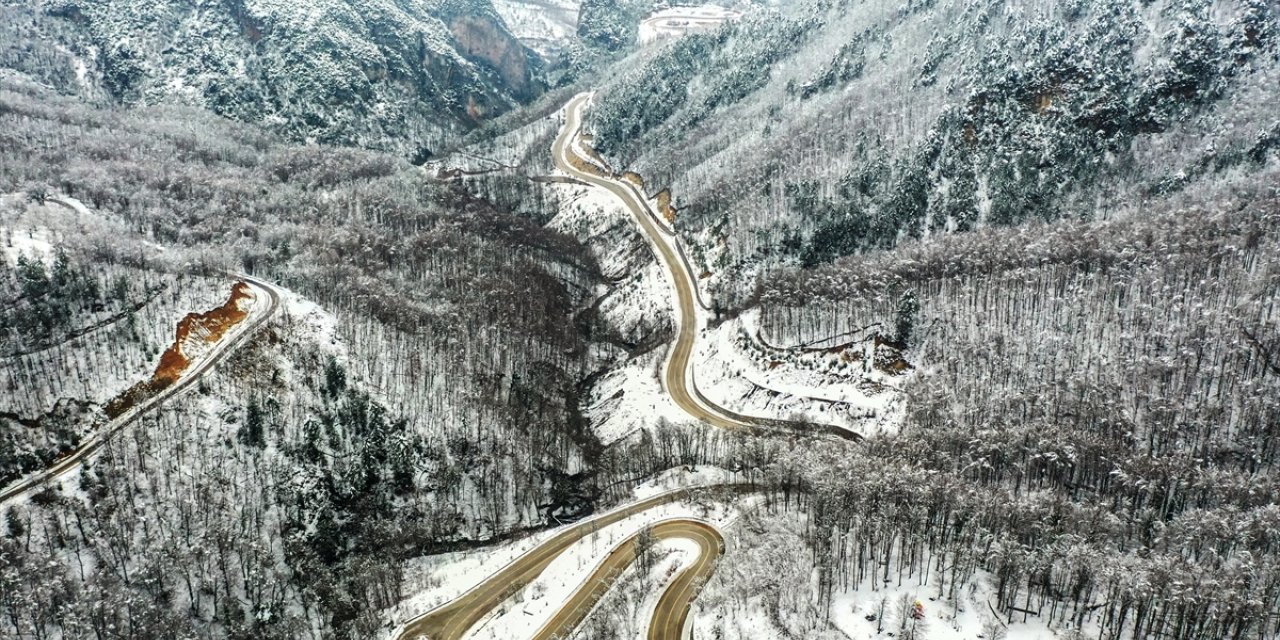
[681, 20]
[101, 435]
[678, 377]
[673, 605]
[454, 619]
[676, 373]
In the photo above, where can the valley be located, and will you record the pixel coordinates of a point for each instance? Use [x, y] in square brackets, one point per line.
[623, 320]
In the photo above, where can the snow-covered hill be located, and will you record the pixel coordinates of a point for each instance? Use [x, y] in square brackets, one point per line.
[820, 129]
[544, 25]
[391, 74]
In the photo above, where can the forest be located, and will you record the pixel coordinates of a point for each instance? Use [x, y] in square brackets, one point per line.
[1060, 218]
[447, 376]
[863, 124]
[1093, 423]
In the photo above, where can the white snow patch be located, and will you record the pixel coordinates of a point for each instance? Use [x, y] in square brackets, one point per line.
[436, 580]
[686, 477]
[314, 323]
[35, 243]
[677, 21]
[965, 619]
[732, 369]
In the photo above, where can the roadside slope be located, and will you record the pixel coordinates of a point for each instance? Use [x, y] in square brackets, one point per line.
[677, 375]
[227, 345]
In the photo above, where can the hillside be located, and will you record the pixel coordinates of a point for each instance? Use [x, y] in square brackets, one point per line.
[824, 319]
[417, 389]
[821, 129]
[400, 76]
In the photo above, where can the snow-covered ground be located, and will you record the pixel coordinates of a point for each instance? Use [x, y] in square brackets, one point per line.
[685, 477]
[540, 24]
[24, 230]
[676, 21]
[529, 610]
[763, 591]
[36, 243]
[842, 388]
[858, 614]
[436, 580]
[730, 366]
[629, 396]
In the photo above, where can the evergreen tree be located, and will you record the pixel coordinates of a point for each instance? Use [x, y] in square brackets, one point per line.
[908, 313]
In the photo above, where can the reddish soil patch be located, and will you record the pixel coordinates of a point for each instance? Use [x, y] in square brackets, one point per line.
[664, 206]
[585, 166]
[208, 327]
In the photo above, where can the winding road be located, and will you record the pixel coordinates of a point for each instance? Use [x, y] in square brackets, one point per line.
[678, 376]
[677, 21]
[673, 605]
[454, 620]
[101, 435]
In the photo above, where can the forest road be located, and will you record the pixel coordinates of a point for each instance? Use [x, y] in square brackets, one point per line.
[453, 620]
[678, 21]
[678, 375]
[673, 606]
[101, 435]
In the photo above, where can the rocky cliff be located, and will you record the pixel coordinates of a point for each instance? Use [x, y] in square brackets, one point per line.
[389, 74]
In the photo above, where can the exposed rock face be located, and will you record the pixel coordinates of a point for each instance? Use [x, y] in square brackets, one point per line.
[482, 38]
[398, 75]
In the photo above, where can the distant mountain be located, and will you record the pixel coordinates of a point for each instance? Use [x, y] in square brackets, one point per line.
[397, 75]
[822, 129]
[543, 25]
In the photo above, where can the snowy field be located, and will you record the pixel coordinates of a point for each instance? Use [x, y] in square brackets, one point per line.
[676, 21]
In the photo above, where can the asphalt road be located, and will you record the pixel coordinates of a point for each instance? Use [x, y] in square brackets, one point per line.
[453, 620]
[676, 377]
[104, 433]
[673, 605]
[674, 24]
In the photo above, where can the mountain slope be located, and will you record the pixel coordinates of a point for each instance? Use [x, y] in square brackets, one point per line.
[824, 129]
[389, 74]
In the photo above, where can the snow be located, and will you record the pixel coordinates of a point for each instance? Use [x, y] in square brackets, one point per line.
[313, 323]
[672, 556]
[35, 243]
[677, 21]
[630, 396]
[526, 613]
[685, 477]
[964, 620]
[785, 386]
[436, 580]
[734, 370]
[196, 348]
[540, 24]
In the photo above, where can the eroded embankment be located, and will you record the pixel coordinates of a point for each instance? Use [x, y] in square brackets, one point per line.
[195, 334]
